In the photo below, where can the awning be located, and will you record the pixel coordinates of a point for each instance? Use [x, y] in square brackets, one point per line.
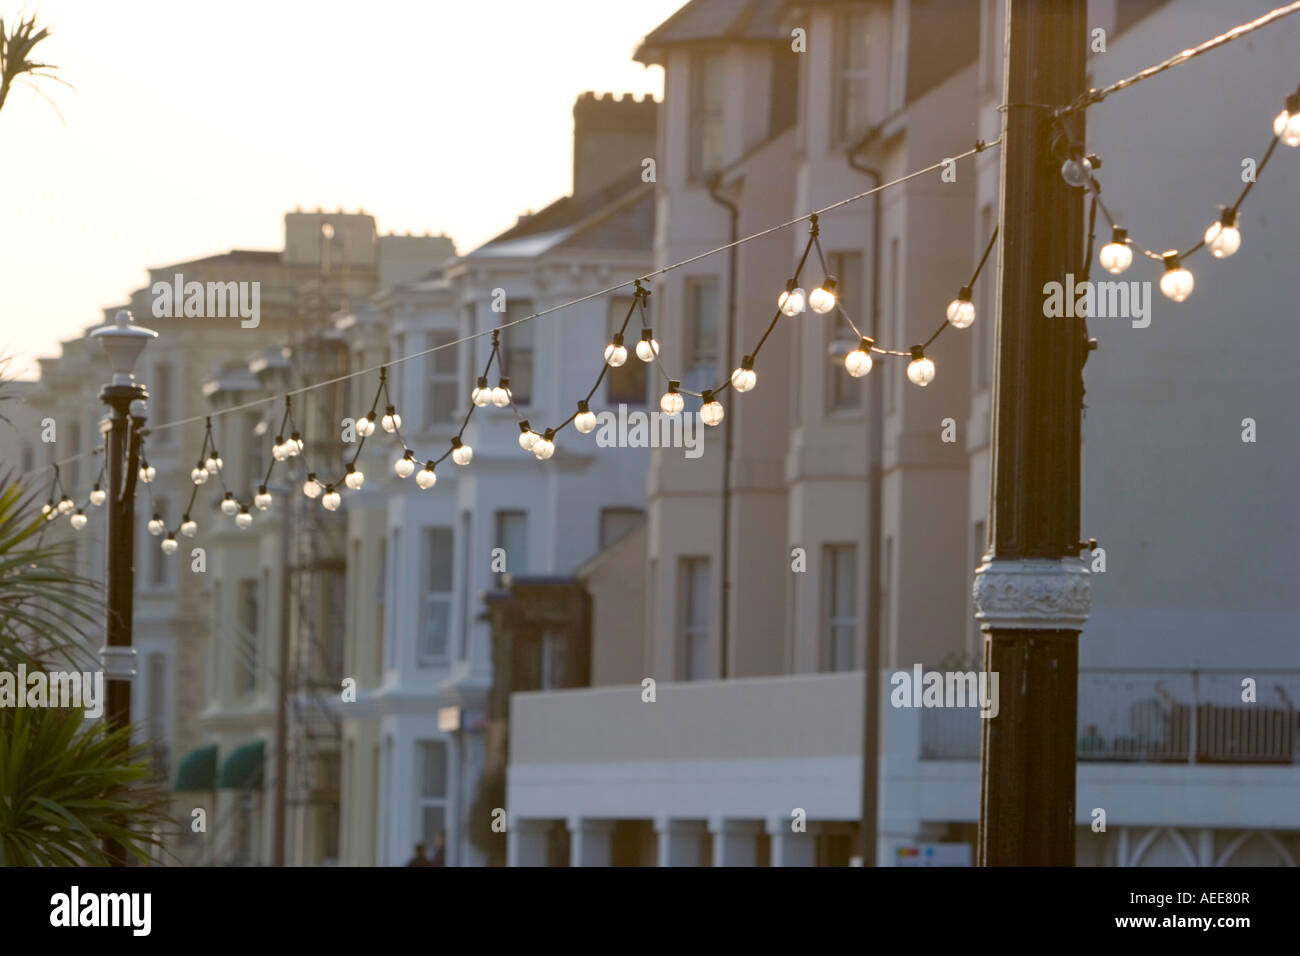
[197, 769]
[242, 770]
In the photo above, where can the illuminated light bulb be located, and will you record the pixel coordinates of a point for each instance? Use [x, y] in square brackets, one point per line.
[711, 412]
[544, 447]
[745, 378]
[858, 362]
[311, 487]
[147, 472]
[262, 500]
[585, 420]
[47, 508]
[426, 479]
[354, 479]
[78, 520]
[198, 474]
[647, 350]
[169, 544]
[295, 445]
[213, 463]
[331, 499]
[461, 453]
[1287, 124]
[1116, 256]
[155, 525]
[1224, 237]
[391, 420]
[961, 311]
[482, 394]
[1177, 282]
[792, 300]
[527, 437]
[280, 450]
[366, 425]
[405, 466]
[920, 370]
[616, 351]
[229, 505]
[501, 394]
[189, 527]
[243, 520]
[98, 496]
[1077, 172]
[672, 402]
[66, 505]
[822, 299]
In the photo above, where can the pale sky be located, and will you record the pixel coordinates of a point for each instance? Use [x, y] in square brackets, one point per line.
[194, 126]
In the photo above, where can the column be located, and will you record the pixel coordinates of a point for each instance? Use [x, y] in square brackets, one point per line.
[590, 841]
[526, 842]
[735, 842]
[790, 848]
[681, 842]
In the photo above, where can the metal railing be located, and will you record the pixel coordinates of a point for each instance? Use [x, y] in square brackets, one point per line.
[1158, 716]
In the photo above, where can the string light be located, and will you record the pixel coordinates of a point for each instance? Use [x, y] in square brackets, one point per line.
[616, 352]
[822, 299]
[745, 378]
[78, 520]
[920, 370]
[501, 394]
[189, 527]
[482, 394]
[66, 505]
[544, 447]
[527, 437]
[858, 362]
[98, 495]
[672, 402]
[262, 500]
[426, 479]
[791, 301]
[280, 449]
[198, 474]
[961, 311]
[147, 472]
[1116, 256]
[647, 350]
[391, 420]
[331, 499]
[311, 487]
[461, 453]
[1177, 282]
[711, 412]
[366, 425]
[229, 506]
[169, 544]
[1286, 126]
[1223, 238]
[213, 463]
[243, 520]
[295, 445]
[354, 478]
[155, 525]
[585, 420]
[405, 466]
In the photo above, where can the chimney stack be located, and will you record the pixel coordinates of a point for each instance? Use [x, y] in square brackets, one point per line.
[610, 139]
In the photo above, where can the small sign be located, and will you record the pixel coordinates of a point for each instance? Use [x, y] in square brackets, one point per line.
[933, 854]
[449, 720]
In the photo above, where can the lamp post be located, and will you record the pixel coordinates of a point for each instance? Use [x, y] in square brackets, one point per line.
[123, 341]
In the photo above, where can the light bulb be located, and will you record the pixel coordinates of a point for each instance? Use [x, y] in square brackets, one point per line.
[243, 520]
[961, 311]
[616, 352]
[792, 300]
[527, 437]
[1287, 124]
[1077, 172]
[155, 525]
[98, 496]
[198, 474]
[647, 349]
[822, 299]
[585, 420]
[1223, 238]
[78, 520]
[280, 450]
[47, 508]
[482, 394]
[229, 505]
[213, 463]
[711, 412]
[391, 420]
[544, 447]
[354, 479]
[745, 378]
[501, 394]
[311, 487]
[66, 505]
[365, 426]
[262, 500]
[1116, 256]
[331, 500]
[295, 445]
[147, 472]
[405, 466]
[920, 370]
[169, 544]
[426, 479]
[1177, 282]
[672, 402]
[461, 453]
[189, 527]
[858, 362]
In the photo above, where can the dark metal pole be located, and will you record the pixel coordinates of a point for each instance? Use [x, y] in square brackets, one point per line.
[282, 684]
[1032, 593]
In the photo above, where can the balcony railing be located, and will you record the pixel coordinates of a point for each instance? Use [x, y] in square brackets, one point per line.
[1195, 716]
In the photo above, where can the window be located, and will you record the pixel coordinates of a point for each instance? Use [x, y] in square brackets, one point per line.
[853, 41]
[254, 454]
[694, 585]
[432, 797]
[843, 391]
[706, 113]
[441, 389]
[394, 562]
[381, 562]
[896, 314]
[886, 597]
[396, 376]
[617, 523]
[785, 89]
[512, 539]
[985, 296]
[552, 642]
[517, 351]
[627, 383]
[156, 715]
[990, 63]
[435, 608]
[246, 634]
[840, 569]
[703, 311]
[979, 544]
[466, 529]
[74, 467]
[161, 398]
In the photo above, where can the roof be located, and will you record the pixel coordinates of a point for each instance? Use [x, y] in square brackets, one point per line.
[710, 20]
[233, 257]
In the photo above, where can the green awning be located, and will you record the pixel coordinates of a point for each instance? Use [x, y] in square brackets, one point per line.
[197, 769]
[242, 770]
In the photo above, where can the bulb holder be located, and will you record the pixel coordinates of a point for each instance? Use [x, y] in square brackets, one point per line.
[647, 335]
[617, 339]
[1227, 217]
[1119, 236]
[918, 353]
[582, 406]
[1172, 263]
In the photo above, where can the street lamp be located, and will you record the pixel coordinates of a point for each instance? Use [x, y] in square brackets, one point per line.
[123, 341]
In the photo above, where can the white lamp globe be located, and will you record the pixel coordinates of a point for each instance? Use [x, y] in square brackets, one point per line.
[858, 362]
[98, 496]
[961, 311]
[311, 487]
[262, 500]
[822, 299]
[647, 349]
[405, 466]
[229, 506]
[711, 412]
[461, 453]
[169, 544]
[189, 527]
[155, 525]
[1223, 238]
[616, 352]
[671, 403]
[585, 420]
[791, 301]
[426, 479]
[1116, 256]
[744, 379]
[527, 437]
[243, 520]
[1177, 283]
[78, 520]
[331, 500]
[391, 420]
[354, 479]
[544, 447]
[920, 371]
